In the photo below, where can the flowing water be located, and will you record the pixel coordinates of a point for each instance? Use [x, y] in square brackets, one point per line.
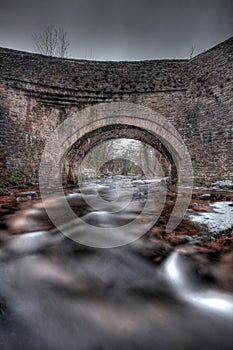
[57, 294]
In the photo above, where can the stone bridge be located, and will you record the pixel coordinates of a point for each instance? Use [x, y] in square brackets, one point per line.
[38, 93]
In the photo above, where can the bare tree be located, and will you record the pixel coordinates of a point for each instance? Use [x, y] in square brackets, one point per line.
[193, 48]
[63, 43]
[52, 42]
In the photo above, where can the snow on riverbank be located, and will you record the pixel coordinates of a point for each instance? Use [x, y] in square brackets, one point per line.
[220, 219]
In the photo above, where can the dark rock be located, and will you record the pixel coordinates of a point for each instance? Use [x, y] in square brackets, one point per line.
[4, 191]
[26, 194]
[205, 196]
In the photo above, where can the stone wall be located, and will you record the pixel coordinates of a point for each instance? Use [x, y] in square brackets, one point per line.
[37, 93]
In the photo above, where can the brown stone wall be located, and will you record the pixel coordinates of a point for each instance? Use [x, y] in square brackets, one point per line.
[209, 112]
[37, 93]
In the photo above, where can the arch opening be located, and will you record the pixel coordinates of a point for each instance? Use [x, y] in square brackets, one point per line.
[154, 151]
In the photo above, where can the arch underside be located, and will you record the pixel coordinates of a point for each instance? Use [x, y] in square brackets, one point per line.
[82, 146]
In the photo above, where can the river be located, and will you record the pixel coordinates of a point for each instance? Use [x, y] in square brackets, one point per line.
[152, 293]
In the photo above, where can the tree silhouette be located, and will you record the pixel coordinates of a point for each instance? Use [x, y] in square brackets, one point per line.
[52, 42]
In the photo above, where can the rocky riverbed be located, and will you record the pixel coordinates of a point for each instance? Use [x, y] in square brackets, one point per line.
[162, 291]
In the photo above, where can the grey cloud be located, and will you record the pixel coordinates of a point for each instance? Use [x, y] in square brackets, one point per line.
[122, 29]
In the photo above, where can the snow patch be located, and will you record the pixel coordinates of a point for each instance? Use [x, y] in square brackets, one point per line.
[218, 220]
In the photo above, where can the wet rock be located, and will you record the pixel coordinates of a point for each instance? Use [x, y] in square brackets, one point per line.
[28, 220]
[172, 194]
[8, 198]
[221, 197]
[180, 239]
[20, 196]
[153, 248]
[36, 218]
[200, 208]
[224, 270]
[205, 196]
[23, 199]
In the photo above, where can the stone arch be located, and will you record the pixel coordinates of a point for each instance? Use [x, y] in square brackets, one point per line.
[84, 144]
[102, 115]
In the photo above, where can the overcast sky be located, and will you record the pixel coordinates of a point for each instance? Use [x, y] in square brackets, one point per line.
[120, 29]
